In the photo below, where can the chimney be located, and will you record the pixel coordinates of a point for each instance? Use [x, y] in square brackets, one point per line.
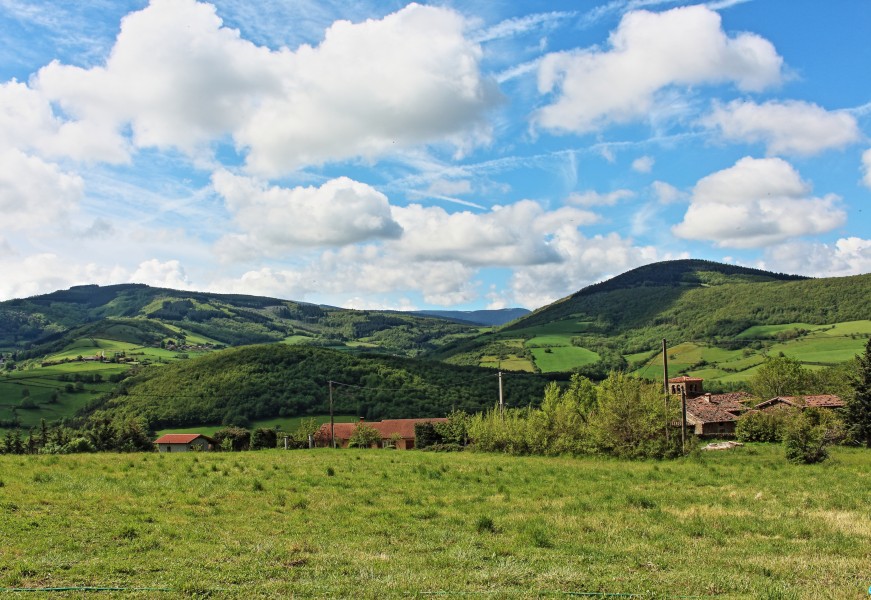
[362, 419]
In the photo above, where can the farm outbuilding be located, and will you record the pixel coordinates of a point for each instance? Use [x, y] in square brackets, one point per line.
[184, 442]
[394, 433]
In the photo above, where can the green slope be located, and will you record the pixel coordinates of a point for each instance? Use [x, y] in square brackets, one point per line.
[252, 383]
[712, 307]
[34, 327]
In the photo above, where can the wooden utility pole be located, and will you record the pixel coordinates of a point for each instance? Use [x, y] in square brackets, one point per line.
[665, 385]
[332, 425]
[665, 367]
[501, 401]
[683, 420]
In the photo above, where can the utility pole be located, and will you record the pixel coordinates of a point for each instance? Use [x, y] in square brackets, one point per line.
[332, 425]
[665, 367]
[683, 421]
[501, 401]
[665, 384]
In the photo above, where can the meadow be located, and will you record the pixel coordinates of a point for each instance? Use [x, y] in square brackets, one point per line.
[383, 523]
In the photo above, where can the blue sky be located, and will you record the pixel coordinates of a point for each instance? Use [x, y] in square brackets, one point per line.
[468, 154]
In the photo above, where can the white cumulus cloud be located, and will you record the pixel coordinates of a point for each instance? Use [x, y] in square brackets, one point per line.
[583, 261]
[166, 274]
[180, 79]
[756, 203]
[274, 219]
[647, 53]
[516, 234]
[34, 193]
[847, 256]
[789, 127]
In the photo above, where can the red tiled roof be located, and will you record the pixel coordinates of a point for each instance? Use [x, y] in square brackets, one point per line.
[818, 401]
[387, 428]
[701, 411]
[684, 379]
[180, 438]
[731, 402]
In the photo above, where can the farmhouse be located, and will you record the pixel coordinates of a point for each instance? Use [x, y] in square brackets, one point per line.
[709, 414]
[395, 433]
[820, 401]
[184, 442]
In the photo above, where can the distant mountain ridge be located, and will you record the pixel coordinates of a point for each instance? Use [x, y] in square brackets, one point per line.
[488, 317]
[38, 325]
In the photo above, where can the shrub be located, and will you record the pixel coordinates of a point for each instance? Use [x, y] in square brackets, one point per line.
[763, 426]
[364, 436]
[240, 438]
[808, 434]
[263, 438]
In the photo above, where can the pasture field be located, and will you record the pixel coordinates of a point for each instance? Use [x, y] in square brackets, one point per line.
[396, 524]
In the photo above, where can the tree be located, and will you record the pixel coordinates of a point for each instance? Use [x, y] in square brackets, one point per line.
[858, 414]
[364, 436]
[630, 419]
[779, 376]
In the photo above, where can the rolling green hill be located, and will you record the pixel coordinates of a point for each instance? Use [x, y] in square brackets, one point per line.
[720, 322]
[139, 314]
[241, 385]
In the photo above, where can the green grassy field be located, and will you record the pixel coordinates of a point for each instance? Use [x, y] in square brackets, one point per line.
[380, 523]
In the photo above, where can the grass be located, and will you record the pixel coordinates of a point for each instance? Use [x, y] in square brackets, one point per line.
[375, 524]
[562, 358]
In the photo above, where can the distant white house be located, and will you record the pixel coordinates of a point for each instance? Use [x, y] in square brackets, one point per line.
[184, 442]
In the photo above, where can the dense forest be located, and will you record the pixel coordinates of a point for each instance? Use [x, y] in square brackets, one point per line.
[240, 385]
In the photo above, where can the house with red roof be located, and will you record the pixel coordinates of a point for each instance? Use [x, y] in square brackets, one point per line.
[185, 442]
[394, 433]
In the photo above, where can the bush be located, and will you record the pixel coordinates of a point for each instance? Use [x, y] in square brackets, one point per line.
[79, 444]
[239, 438]
[263, 438]
[764, 425]
[364, 436]
[808, 434]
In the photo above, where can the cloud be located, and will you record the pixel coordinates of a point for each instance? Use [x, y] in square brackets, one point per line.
[755, 203]
[847, 256]
[275, 219]
[866, 168]
[25, 276]
[791, 127]
[593, 198]
[665, 193]
[511, 235]
[583, 262]
[27, 122]
[649, 52]
[372, 88]
[180, 79]
[168, 274]
[449, 187]
[34, 193]
[175, 75]
[354, 273]
[643, 164]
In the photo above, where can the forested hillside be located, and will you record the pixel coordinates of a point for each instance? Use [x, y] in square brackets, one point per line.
[239, 385]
